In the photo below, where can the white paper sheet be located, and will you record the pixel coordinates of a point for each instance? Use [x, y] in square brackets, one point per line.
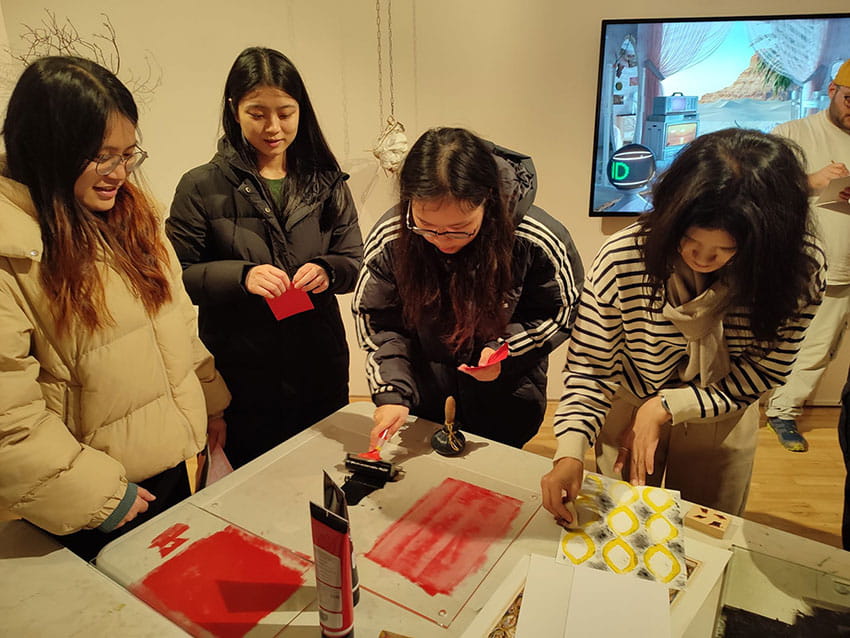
[829, 196]
[561, 600]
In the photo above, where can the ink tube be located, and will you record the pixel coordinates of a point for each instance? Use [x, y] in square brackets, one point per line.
[332, 551]
[335, 502]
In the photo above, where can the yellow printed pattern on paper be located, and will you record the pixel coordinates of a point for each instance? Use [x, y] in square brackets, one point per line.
[627, 530]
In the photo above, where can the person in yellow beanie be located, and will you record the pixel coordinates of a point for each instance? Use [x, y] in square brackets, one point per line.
[825, 139]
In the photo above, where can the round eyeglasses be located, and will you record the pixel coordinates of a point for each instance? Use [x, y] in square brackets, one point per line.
[448, 234]
[106, 164]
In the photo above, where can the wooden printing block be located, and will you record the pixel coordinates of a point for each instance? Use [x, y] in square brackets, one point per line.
[707, 521]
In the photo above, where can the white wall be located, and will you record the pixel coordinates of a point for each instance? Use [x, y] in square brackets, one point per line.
[521, 74]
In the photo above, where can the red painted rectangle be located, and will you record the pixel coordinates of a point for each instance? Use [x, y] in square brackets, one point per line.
[223, 584]
[445, 536]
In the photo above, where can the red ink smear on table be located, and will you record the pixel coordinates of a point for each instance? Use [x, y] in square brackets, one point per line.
[445, 536]
[223, 584]
[170, 539]
[291, 302]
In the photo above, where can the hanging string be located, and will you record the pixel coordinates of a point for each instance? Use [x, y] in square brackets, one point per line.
[390, 55]
[391, 145]
[380, 64]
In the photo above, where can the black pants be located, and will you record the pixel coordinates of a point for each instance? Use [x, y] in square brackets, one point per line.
[252, 431]
[844, 441]
[267, 409]
[170, 487]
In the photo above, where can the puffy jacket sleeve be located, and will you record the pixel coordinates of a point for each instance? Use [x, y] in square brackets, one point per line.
[378, 321]
[345, 252]
[46, 475]
[208, 280]
[551, 287]
[216, 393]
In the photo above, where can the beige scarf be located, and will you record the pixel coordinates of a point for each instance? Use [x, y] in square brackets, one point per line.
[695, 308]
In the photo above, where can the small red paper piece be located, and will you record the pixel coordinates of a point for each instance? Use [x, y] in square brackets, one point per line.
[499, 355]
[291, 302]
[170, 539]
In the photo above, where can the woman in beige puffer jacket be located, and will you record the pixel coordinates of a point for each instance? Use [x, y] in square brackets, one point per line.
[105, 388]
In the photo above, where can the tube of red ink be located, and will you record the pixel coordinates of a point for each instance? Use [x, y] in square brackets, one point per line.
[335, 501]
[332, 551]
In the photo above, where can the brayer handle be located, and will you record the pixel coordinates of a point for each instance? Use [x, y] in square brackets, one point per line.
[450, 412]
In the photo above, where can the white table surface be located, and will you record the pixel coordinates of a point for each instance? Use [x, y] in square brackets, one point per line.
[47, 591]
[269, 497]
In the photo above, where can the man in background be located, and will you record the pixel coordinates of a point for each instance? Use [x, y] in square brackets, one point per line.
[825, 139]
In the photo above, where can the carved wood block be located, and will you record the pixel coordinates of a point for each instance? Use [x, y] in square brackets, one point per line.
[707, 521]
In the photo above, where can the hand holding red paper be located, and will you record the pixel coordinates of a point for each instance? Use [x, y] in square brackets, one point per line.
[311, 278]
[267, 281]
[489, 366]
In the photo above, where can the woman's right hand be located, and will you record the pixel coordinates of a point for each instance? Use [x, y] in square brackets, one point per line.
[387, 417]
[267, 281]
[140, 505]
[562, 485]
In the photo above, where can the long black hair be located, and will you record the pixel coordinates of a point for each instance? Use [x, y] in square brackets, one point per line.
[256, 67]
[751, 185]
[454, 163]
[56, 121]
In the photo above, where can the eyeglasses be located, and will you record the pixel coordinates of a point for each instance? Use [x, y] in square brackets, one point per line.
[106, 164]
[424, 232]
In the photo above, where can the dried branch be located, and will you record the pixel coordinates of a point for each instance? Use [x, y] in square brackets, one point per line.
[63, 38]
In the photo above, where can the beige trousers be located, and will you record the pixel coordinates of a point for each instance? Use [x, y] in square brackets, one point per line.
[820, 345]
[708, 462]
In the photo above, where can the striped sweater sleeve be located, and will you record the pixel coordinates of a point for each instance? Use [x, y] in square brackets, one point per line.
[594, 365]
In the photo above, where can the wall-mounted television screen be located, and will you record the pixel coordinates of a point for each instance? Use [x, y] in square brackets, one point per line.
[663, 82]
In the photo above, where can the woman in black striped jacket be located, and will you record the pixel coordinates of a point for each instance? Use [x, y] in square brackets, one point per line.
[687, 317]
[464, 264]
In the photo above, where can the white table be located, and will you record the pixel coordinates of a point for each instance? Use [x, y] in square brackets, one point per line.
[45, 590]
[269, 498]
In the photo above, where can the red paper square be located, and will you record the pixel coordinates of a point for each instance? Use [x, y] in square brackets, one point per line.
[291, 302]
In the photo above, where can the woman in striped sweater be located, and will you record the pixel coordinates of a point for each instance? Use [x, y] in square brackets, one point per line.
[687, 317]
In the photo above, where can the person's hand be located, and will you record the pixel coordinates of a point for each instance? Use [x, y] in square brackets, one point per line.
[845, 194]
[216, 432]
[139, 506]
[490, 373]
[387, 417]
[641, 440]
[562, 485]
[267, 281]
[311, 278]
[819, 179]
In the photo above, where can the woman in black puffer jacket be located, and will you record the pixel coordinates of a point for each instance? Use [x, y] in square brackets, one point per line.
[270, 211]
